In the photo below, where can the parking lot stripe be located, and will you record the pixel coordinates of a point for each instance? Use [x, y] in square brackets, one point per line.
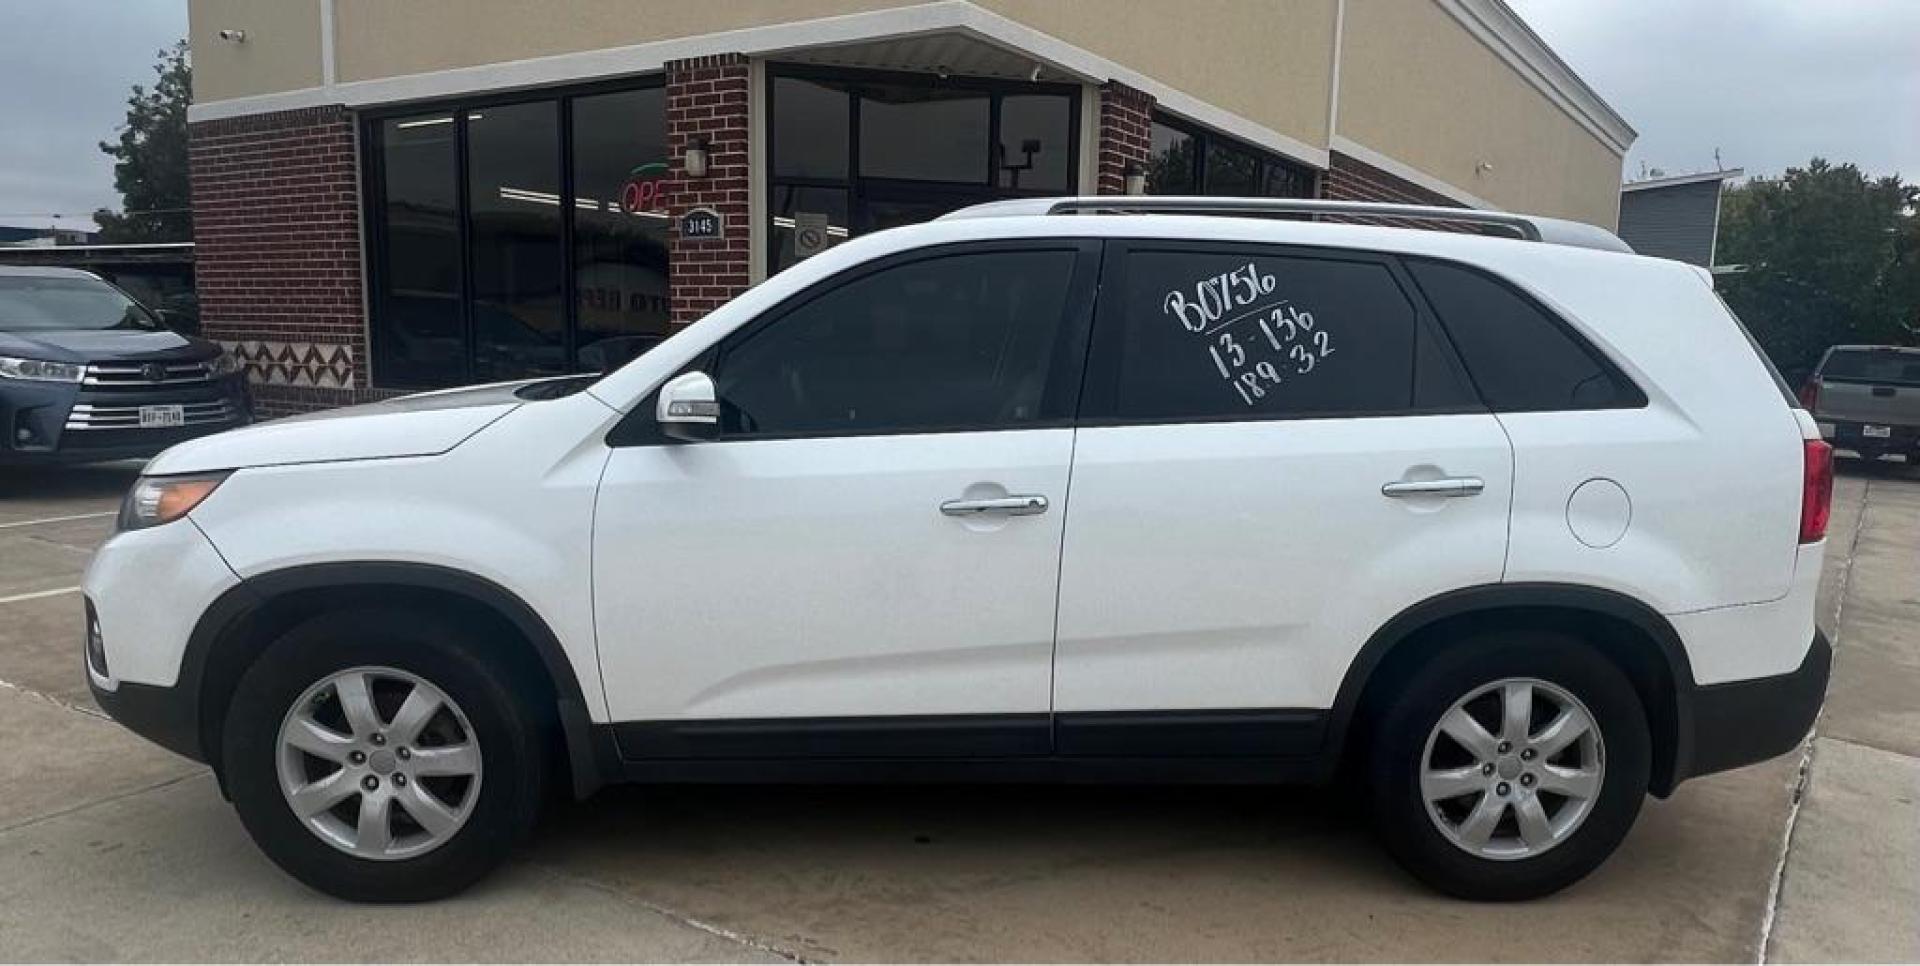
[36, 595]
[76, 516]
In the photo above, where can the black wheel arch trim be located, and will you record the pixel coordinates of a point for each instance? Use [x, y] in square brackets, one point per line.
[589, 752]
[1671, 766]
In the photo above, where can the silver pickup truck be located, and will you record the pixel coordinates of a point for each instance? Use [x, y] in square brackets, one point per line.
[1867, 399]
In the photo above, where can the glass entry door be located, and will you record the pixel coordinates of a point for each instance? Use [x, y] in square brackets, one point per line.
[880, 205]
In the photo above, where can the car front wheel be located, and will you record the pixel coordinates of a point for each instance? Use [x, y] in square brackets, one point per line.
[376, 757]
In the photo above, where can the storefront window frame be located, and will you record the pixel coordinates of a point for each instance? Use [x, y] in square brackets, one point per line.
[857, 186]
[373, 194]
[1204, 139]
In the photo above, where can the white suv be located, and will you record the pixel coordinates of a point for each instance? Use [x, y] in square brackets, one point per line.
[1508, 531]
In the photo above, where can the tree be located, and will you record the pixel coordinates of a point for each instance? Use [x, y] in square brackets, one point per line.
[150, 159]
[1831, 256]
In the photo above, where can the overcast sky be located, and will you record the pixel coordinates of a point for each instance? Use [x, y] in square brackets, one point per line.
[1770, 83]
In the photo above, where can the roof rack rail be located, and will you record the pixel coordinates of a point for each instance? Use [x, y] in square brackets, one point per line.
[1552, 231]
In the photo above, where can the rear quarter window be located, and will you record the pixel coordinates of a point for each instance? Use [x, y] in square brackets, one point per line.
[1520, 357]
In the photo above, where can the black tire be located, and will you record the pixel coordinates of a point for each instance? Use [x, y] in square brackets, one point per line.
[1460, 667]
[508, 733]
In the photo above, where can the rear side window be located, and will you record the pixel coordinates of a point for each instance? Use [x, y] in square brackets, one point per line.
[1250, 334]
[1886, 367]
[1521, 358]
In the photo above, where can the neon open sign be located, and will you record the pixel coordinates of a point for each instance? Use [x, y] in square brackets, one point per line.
[646, 188]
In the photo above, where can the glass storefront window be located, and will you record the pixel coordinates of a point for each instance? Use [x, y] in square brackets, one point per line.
[867, 150]
[419, 338]
[1191, 161]
[522, 303]
[1034, 133]
[1170, 169]
[619, 225]
[790, 200]
[1231, 171]
[923, 133]
[513, 218]
[810, 124]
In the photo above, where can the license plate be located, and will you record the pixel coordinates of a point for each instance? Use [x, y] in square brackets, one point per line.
[160, 417]
[1880, 432]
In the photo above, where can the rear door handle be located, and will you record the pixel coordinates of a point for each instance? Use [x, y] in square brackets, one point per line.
[1012, 506]
[1450, 486]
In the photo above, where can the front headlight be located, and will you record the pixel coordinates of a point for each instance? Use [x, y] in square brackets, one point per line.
[39, 371]
[163, 499]
[222, 365]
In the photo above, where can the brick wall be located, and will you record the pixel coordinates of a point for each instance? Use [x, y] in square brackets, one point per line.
[1349, 180]
[276, 214]
[707, 98]
[1125, 137]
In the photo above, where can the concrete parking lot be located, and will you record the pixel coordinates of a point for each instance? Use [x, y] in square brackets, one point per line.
[111, 848]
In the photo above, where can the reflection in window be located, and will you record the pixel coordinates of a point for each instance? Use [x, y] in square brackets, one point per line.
[793, 203]
[1231, 172]
[513, 211]
[1170, 169]
[1189, 161]
[923, 133]
[810, 124]
[619, 225]
[418, 339]
[962, 342]
[1034, 135]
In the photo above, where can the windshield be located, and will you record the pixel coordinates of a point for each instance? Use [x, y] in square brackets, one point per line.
[29, 303]
[1868, 365]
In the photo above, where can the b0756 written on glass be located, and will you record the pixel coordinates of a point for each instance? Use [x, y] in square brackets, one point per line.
[1257, 348]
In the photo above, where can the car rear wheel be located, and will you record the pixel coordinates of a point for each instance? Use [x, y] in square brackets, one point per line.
[376, 756]
[1511, 766]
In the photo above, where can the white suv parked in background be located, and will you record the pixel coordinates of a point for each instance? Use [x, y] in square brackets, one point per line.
[1514, 531]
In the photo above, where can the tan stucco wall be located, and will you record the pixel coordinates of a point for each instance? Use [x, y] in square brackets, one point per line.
[1266, 60]
[382, 38]
[281, 52]
[1417, 87]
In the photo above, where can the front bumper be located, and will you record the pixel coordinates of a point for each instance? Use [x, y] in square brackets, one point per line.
[168, 717]
[1742, 722]
[60, 423]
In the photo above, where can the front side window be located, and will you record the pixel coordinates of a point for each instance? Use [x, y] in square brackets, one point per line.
[1226, 334]
[963, 341]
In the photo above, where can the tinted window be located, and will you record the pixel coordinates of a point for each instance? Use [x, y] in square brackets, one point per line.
[619, 224]
[1220, 335]
[1170, 168]
[513, 212]
[1520, 357]
[923, 133]
[1034, 142]
[417, 327]
[961, 341]
[810, 125]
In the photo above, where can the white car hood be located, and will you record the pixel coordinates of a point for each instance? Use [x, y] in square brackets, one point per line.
[421, 425]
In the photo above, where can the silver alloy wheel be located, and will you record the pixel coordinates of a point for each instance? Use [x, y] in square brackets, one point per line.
[379, 763]
[1522, 786]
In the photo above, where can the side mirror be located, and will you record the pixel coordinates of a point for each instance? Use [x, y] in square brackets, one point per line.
[688, 409]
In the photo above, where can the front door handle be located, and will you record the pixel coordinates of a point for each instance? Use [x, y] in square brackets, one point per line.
[1451, 486]
[1013, 506]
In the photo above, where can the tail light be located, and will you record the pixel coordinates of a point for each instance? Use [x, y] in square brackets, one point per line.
[1810, 394]
[1816, 490]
